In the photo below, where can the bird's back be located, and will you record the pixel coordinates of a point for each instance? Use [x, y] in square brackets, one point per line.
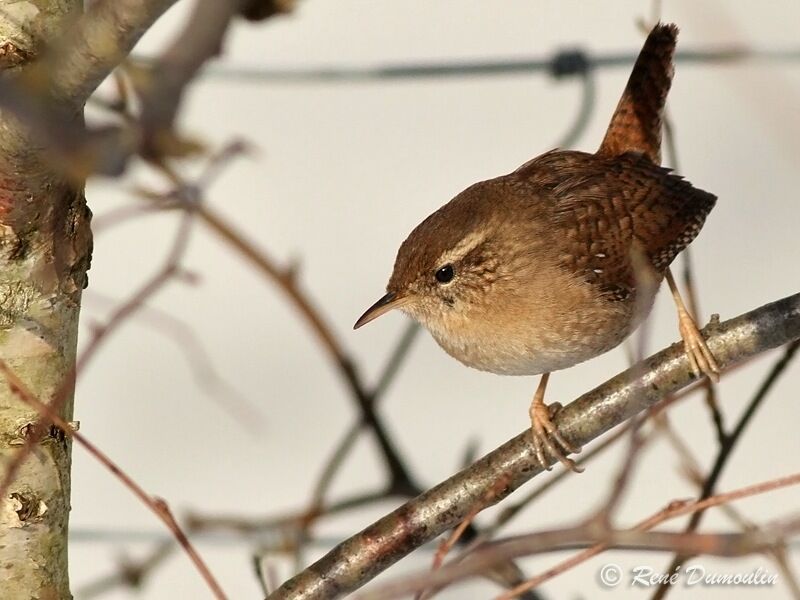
[614, 210]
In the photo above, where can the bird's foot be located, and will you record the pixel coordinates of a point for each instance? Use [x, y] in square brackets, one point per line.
[700, 358]
[546, 436]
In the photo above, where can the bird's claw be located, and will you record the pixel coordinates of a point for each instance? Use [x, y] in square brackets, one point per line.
[546, 437]
[700, 358]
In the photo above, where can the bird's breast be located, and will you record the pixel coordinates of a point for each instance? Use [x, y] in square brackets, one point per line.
[525, 354]
[539, 334]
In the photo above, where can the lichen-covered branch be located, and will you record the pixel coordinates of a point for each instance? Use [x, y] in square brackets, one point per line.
[357, 560]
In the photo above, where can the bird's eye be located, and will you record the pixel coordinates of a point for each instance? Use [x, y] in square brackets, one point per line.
[445, 274]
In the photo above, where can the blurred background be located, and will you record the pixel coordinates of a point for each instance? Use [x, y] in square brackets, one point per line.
[340, 173]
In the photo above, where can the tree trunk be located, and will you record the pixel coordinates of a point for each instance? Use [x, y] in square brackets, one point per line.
[45, 246]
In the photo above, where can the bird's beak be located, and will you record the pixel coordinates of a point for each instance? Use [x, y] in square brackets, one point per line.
[384, 305]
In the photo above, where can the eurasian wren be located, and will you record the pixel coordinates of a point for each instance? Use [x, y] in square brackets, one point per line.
[558, 261]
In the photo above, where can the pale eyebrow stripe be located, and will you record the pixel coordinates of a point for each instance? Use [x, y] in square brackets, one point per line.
[470, 242]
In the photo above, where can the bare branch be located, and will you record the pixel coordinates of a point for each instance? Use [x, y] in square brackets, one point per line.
[200, 41]
[728, 443]
[402, 483]
[155, 504]
[674, 509]
[716, 544]
[360, 558]
[100, 40]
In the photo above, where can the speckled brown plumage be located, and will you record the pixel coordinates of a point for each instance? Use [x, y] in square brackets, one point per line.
[608, 206]
[559, 260]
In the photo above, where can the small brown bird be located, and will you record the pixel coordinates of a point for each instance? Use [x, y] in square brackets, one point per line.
[560, 260]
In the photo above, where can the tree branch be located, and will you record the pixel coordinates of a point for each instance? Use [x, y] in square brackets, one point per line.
[724, 544]
[360, 558]
[98, 42]
[401, 481]
[155, 504]
[674, 509]
[200, 41]
[728, 442]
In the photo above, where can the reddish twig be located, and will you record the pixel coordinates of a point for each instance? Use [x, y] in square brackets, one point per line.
[63, 392]
[401, 480]
[726, 450]
[673, 510]
[638, 537]
[157, 505]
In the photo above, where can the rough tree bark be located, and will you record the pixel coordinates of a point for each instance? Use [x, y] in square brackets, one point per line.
[45, 245]
[51, 58]
[53, 55]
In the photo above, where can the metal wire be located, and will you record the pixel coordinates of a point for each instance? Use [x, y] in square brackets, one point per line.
[477, 68]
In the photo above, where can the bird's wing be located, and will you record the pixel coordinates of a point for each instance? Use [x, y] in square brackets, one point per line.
[614, 211]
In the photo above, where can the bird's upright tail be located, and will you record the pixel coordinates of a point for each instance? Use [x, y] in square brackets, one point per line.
[637, 122]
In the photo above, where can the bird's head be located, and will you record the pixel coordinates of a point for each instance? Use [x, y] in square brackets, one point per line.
[450, 264]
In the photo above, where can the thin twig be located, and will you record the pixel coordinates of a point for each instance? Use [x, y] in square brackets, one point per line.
[726, 450]
[157, 505]
[402, 481]
[130, 573]
[207, 378]
[387, 375]
[99, 334]
[672, 510]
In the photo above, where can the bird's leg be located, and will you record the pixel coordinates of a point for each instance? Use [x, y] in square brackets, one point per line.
[545, 434]
[700, 357]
